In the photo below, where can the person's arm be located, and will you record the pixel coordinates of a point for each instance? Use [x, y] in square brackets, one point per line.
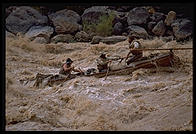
[128, 55]
[77, 70]
[67, 68]
[100, 62]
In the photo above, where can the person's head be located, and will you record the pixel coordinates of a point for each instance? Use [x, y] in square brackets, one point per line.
[103, 55]
[131, 38]
[69, 61]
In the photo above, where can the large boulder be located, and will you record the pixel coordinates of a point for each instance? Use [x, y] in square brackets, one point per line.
[113, 39]
[23, 18]
[182, 28]
[67, 38]
[92, 14]
[65, 21]
[39, 31]
[137, 16]
[151, 25]
[137, 31]
[40, 40]
[108, 40]
[82, 36]
[170, 18]
[159, 29]
[157, 16]
[96, 39]
[117, 29]
[9, 10]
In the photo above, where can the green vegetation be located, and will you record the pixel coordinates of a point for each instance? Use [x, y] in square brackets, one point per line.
[102, 28]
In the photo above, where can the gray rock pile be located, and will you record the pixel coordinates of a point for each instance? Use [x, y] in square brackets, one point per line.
[68, 26]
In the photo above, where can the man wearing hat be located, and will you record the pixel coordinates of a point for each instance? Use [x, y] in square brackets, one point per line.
[102, 62]
[136, 54]
[66, 68]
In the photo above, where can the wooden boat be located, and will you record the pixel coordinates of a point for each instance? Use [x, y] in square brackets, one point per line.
[153, 61]
[160, 60]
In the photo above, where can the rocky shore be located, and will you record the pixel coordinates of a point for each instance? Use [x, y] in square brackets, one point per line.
[95, 24]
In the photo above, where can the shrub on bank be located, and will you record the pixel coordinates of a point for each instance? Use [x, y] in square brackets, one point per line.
[102, 28]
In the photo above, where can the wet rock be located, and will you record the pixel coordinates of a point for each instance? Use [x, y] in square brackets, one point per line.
[96, 39]
[157, 16]
[113, 39]
[65, 21]
[170, 18]
[23, 18]
[82, 36]
[62, 38]
[137, 16]
[39, 31]
[92, 14]
[118, 29]
[182, 28]
[137, 31]
[159, 29]
[41, 40]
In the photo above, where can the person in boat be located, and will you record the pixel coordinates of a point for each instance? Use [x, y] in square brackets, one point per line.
[136, 54]
[103, 61]
[66, 68]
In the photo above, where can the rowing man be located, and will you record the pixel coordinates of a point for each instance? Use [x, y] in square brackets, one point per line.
[103, 62]
[136, 54]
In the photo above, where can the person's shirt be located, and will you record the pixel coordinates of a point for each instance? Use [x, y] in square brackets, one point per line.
[135, 45]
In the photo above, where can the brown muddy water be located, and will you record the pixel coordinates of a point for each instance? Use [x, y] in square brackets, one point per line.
[146, 100]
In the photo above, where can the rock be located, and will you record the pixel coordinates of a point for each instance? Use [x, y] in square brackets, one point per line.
[91, 15]
[9, 10]
[124, 34]
[65, 21]
[117, 29]
[151, 25]
[39, 31]
[9, 35]
[169, 32]
[137, 31]
[40, 40]
[124, 8]
[157, 16]
[159, 29]
[108, 40]
[96, 39]
[82, 36]
[167, 39]
[113, 39]
[182, 28]
[170, 18]
[62, 38]
[23, 18]
[137, 16]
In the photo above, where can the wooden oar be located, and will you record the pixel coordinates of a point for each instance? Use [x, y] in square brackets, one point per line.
[152, 49]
